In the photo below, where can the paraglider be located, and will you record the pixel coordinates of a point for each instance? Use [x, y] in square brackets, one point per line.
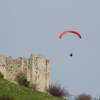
[70, 31]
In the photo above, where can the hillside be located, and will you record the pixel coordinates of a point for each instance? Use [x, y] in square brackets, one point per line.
[22, 93]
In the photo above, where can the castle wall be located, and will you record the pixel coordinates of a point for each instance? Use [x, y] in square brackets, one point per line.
[36, 69]
[41, 72]
[47, 82]
[3, 65]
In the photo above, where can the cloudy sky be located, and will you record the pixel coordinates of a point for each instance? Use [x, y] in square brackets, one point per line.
[33, 27]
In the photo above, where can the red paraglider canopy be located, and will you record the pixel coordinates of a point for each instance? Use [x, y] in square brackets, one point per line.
[70, 31]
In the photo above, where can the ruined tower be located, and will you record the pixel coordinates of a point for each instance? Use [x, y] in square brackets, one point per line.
[36, 69]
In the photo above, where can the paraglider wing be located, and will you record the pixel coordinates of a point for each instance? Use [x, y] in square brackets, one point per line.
[70, 31]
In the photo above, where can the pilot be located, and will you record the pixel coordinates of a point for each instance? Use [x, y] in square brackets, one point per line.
[71, 54]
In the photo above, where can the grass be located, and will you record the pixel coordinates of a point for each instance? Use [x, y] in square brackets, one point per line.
[22, 93]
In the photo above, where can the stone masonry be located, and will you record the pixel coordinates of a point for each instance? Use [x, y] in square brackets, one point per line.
[36, 69]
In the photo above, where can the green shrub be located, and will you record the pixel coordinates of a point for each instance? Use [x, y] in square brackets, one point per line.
[58, 91]
[6, 97]
[20, 75]
[23, 81]
[84, 97]
[1, 75]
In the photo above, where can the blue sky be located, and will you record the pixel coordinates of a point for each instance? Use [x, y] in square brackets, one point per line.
[33, 27]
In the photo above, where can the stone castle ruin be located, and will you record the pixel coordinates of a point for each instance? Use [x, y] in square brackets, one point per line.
[36, 69]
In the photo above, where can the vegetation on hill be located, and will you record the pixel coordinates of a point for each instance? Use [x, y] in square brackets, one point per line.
[58, 91]
[22, 92]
